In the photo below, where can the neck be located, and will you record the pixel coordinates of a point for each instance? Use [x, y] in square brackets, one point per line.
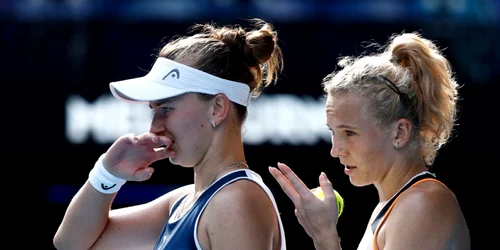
[225, 150]
[204, 179]
[398, 175]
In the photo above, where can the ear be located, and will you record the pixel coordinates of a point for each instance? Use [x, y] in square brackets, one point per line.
[403, 132]
[220, 109]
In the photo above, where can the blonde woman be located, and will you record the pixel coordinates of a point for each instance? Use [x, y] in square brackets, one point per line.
[389, 113]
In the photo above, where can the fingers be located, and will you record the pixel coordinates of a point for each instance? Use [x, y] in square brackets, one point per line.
[149, 139]
[291, 184]
[162, 153]
[295, 181]
[327, 187]
[285, 185]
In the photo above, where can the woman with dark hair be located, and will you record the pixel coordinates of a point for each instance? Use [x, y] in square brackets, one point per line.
[199, 89]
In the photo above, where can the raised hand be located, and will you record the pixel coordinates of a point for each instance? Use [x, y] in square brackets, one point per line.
[317, 217]
[130, 156]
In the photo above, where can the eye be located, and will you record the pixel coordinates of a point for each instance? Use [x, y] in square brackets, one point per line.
[166, 109]
[163, 110]
[349, 133]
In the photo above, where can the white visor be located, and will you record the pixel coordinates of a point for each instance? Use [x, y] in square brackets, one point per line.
[168, 78]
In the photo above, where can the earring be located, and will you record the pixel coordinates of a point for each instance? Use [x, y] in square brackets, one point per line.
[213, 124]
[397, 146]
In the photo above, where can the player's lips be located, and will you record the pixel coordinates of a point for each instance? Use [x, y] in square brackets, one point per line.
[348, 169]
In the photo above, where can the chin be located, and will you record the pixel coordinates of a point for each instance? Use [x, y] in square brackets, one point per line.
[357, 183]
[177, 162]
[174, 161]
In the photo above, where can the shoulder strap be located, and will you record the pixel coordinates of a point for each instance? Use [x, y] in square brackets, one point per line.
[382, 212]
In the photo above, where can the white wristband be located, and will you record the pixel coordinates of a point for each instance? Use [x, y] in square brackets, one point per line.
[102, 180]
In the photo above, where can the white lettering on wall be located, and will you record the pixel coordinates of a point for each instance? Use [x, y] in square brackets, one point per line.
[275, 119]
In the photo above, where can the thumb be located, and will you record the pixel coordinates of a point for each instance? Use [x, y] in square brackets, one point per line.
[326, 186]
[143, 174]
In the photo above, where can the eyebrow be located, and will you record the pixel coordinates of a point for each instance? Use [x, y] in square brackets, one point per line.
[161, 102]
[156, 103]
[344, 126]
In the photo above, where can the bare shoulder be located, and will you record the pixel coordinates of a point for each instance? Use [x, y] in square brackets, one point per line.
[245, 197]
[242, 216]
[427, 213]
[429, 199]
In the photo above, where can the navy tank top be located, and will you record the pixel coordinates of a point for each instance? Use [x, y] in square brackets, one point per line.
[182, 233]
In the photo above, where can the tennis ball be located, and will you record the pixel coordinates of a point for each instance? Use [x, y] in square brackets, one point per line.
[318, 192]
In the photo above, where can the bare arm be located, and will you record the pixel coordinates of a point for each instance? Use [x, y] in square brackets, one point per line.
[138, 227]
[242, 217]
[84, 220]
[135, 227]
[426, 217]
[87, 217]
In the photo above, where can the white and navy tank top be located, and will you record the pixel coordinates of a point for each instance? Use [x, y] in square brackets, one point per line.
[182, 233]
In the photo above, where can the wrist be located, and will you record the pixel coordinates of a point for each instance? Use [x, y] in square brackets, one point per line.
[102, 180]
[328, 242]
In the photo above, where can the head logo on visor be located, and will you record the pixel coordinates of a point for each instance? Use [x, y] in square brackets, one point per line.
[165, 81]
[174, 73]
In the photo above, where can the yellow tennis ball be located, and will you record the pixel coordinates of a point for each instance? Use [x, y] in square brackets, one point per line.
[318, 192]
